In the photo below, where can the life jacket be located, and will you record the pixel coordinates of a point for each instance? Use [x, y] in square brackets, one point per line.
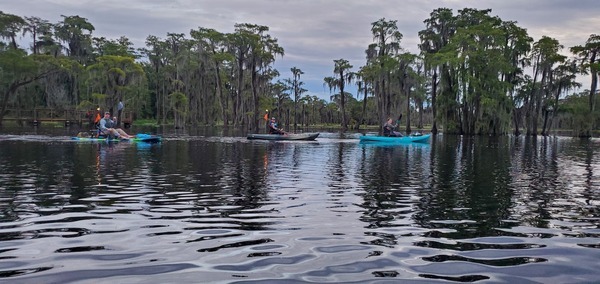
[109, 123]
[273, 128]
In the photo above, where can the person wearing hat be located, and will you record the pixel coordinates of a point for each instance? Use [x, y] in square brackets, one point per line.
[273, 129]
[107, 128]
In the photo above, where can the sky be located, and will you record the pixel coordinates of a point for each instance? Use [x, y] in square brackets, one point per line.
[312, 33]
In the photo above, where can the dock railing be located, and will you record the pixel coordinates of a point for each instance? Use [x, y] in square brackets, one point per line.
[67, 117]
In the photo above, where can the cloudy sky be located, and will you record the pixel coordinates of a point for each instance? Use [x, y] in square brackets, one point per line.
[313, 33]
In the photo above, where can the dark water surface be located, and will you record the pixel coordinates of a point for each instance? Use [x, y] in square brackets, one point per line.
[214, 209]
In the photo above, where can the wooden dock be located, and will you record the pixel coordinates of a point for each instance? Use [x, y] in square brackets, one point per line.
[66, 117]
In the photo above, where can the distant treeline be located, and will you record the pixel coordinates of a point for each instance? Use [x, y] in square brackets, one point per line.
[475, 74]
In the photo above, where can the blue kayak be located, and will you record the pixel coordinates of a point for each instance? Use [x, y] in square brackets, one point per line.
[402, 139]
[146, 138]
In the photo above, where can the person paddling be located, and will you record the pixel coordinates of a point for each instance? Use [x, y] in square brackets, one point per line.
[389, 126]
[273, 129]
[107, 128]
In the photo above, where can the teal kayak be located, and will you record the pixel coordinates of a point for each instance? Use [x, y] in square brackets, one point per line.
[402, 139]
[145, 138]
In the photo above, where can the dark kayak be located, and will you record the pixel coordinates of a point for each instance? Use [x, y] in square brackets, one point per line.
[145, 138]
[302, 136]
[402, 139]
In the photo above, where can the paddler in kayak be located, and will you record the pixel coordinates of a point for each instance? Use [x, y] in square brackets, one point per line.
[389, 126]
[273, 129]
[107, 128]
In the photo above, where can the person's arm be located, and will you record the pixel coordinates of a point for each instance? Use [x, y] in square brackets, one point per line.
[102, 124]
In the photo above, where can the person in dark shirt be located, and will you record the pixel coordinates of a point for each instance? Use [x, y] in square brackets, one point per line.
[388, 129]
[107, 128]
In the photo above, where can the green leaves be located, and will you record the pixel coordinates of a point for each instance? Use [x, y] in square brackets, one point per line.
[10, 27]
[114, 75]
[15, 63]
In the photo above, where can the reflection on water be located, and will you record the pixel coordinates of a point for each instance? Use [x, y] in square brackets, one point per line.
[223, 209]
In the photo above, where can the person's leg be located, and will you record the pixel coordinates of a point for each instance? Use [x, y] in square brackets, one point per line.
[123, 134]
[107, 133]
[110, 134]
[114, 133]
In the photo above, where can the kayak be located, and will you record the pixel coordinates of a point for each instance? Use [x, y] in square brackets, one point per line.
[144, 138]
[301, 136]
[153, 139]
[402, 139]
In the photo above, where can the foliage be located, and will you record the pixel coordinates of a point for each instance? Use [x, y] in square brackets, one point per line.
[577, 115]
[17, 69]
[475, 74]
[114, 76]
[343, 76]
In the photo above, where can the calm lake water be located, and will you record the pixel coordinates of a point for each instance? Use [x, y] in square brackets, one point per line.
[217, 208]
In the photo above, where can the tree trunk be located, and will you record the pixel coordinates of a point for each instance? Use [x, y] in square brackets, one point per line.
[343, 102]
[420, 107]
[594, 84]
[451, 121]
[255, 116]
[222, 97]
[538, 106]
[238, 94]
[545, 122]
[295, 106]
[408, 130]
[364, 110]
[434, 129]
[303, 117]
[380, 105]
[516, 121]
[530, 115]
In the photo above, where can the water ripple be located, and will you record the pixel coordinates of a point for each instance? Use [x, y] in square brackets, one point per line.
[332, 211]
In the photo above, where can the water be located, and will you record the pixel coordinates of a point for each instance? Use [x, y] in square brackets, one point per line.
[214, 209]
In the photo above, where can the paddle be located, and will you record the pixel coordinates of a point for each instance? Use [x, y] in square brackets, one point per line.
[398, 124]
